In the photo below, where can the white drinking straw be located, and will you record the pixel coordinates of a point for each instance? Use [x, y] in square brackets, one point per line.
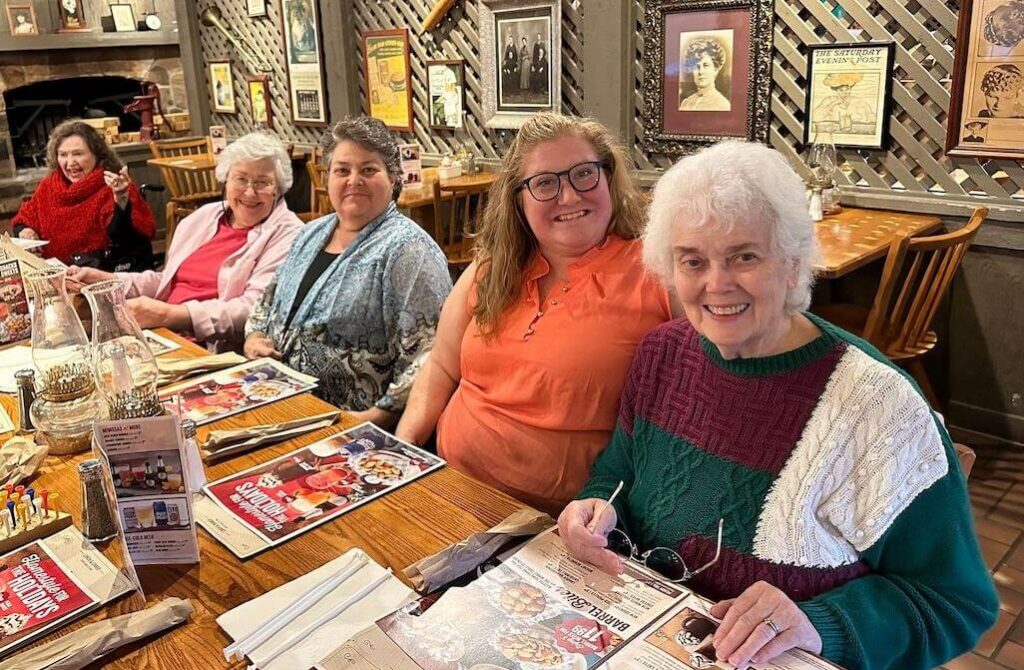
[333, 613]
[597, 517]
[242, 647]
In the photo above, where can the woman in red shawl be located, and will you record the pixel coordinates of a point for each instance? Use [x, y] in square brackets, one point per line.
[87, 201]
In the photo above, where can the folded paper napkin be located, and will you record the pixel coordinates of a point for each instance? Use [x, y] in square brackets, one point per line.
[20, 458]
[222, 443]
[90, 643]
[176, 369]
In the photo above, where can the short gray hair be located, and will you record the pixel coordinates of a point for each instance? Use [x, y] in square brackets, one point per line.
[257, 147]
[372, 135]
[728, 184]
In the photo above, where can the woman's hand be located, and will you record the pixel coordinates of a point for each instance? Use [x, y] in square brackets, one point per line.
[258, 345]
[150, 313]
[745, 637]
[88, 275]
[377, 416]
[586, 538]
[29, 234]
[118, 183]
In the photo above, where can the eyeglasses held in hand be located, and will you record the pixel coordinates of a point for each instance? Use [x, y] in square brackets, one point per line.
[258, 185]
[666, 562]
[547, 185]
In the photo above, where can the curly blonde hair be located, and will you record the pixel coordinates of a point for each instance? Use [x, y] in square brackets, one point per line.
[505, 244]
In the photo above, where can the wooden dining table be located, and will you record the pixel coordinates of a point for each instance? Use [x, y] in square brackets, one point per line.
[396, 530]
[855, 237]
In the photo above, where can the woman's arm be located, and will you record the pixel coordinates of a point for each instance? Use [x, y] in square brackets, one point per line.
[440, 373]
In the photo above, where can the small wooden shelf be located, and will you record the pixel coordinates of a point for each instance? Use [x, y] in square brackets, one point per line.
[91, 40]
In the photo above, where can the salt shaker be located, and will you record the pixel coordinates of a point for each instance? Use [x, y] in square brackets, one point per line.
[97, 520]
[815, 205]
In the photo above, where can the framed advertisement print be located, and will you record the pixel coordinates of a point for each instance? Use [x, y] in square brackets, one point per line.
[307, 96]
[446, 92]
[849, 94]
[521, 59]
[123, 15]
[256, 8]
[222, 87]
[386, 72]
[259, 101]
[21, 19]
[986, 106]
[72, 16]
[707, 73]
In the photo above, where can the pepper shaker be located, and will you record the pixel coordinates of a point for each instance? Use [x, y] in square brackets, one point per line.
[26, 380]
[97, 520]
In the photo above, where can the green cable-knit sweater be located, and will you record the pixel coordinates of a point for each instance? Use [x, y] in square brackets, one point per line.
[836, 482]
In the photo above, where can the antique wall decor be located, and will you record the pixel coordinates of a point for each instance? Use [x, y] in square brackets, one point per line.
[849, 93]
[72, 16]
[256, 8]
[259, 101]
[446, 93]
[307, 97]
[386, 72]
[123, 15]
[21, 19]
[707, 74]
[222, 87]
[521, 69]
[986, 107]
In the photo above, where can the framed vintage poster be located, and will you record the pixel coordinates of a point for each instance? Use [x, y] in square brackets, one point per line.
[986, 107]
[21, 19]
[256, 8]
[521, 59]
[386, 72]
[707, 72]
[123, 15]
[446, 92]
[259, 101]
[307, 96]
[72, 16]
[849, 94]
[222, 87]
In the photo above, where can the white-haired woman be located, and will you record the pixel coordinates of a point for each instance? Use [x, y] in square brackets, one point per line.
[224, 254]
[847, 528]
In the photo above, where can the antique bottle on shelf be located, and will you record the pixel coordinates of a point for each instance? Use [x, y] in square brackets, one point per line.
[66, 403]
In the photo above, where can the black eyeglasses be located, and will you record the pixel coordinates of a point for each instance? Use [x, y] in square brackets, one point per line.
[547, 185]
[666, 562]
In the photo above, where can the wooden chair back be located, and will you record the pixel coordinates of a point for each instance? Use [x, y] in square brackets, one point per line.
[917, 275]
[456, 209]
[183, 184]
[318, 200]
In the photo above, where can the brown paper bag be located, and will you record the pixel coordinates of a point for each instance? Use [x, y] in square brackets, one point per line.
[20, 458]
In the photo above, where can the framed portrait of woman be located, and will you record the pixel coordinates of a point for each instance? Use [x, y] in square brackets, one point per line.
[307, 93]
[986, 106]
[21, 19]
[222, 87]
[386, 73]
[446, 81]
[707, 73]
[259, 101]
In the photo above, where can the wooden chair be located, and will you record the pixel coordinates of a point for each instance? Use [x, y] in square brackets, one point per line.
[188, 189]
[456, 209]
[917, 275]
[319, 202]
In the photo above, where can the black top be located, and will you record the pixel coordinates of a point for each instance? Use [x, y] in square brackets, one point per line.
[319, 265]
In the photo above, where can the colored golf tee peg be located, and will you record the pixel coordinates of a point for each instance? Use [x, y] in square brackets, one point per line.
[19, 489]
[55, 503]
[3, 498]
[15, 497]
[10, 510]
[31, 493]
[22, 514]
[9, 488]
[46, 507]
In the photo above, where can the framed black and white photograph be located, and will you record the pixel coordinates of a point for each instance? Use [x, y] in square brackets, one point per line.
[446, 83]
[300, 27]
[256, 8]
[521, 60]
[124, 17]
[849, 94]
[21, 19]
[72, 16]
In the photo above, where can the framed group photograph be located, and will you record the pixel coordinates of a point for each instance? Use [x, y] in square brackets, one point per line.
[259, 101]
[386, 73]
[304, 62]
[707, 74]
[446, 91]
[520, 58]
[72, 16]
[986, 107]
[123, 15]
[222, 87]
[21, 19]
[849, 94]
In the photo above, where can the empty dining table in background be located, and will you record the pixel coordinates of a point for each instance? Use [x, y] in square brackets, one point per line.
[418, 203]
[854, 237]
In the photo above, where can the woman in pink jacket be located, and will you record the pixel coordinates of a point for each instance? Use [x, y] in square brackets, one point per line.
[224, 254]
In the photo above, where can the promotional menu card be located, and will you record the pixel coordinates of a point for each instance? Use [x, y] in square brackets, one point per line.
[49, 583]
[15, 323]
[273, 502]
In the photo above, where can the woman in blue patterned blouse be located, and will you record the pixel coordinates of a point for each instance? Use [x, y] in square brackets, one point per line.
[358, 298]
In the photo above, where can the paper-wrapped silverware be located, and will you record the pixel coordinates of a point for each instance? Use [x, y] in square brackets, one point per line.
[221, 443]
[176, 369]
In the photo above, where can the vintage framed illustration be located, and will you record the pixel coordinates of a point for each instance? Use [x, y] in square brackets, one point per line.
[72, 16]
[256, 8]
[307, 93]
[386, 73]
[446, 92]
[707, 73]
[222, 87]
[849, 94]
[986, 107]
[21, 19]
[123, 15]
[259, 101]
[520, 58]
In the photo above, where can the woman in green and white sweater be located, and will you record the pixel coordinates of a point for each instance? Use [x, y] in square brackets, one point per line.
[848, 530]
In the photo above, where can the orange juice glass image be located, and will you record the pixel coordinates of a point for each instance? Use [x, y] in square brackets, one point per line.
[145, 515]
[173, 482]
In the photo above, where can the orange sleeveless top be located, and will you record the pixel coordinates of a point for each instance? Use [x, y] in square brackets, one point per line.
[538, 402]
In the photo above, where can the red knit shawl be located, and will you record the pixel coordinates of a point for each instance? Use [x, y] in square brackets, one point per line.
[75, 217]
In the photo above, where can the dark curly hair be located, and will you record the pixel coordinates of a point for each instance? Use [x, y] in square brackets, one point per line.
[105, 156]
[704, 45]
[1004, 25]
[372, 135]
[1002, 78]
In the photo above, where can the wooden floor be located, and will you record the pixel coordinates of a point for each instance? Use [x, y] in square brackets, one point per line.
[997, 495]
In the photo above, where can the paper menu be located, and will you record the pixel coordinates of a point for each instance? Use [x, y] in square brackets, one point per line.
[15, 323]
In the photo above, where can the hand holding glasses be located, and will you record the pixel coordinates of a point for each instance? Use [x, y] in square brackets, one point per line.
[582, 177]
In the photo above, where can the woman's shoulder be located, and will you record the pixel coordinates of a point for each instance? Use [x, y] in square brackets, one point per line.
[403, 235]
[671, 336]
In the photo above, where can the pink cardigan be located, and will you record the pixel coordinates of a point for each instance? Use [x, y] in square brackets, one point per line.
[220, 323]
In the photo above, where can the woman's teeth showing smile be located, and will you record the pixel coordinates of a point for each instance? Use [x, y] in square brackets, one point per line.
[572, 216]
[727, 310]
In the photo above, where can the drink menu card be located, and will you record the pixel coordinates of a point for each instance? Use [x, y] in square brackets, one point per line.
[273, 502]
[154, 475]
[228, 392]
[47, 584]
[15, 323]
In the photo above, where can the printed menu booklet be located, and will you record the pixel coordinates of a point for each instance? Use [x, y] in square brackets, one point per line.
[49, 583]
[15, 323]
[228, 392]
[273, 502]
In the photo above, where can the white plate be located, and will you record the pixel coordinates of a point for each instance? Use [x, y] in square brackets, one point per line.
[22, 243]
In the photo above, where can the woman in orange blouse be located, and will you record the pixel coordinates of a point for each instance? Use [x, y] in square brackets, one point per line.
[536, 339]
